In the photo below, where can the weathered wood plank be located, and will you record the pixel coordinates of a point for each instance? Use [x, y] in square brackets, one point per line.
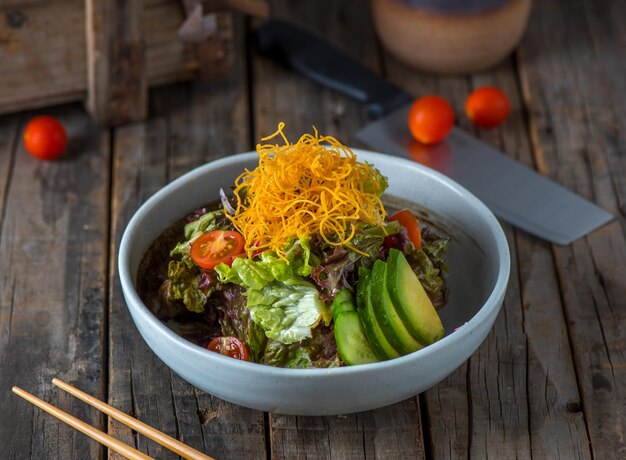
[168, 58]
[549, 377]
[575, 87]
[389, 432]
[447, 405]
[281, 95]
[117, 88]
[9, 136]
[44, 62]
[37, 58]
[190, 125]
[53, 255]
[511, 399]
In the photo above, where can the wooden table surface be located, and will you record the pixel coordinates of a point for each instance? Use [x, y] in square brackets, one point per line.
[548, 382]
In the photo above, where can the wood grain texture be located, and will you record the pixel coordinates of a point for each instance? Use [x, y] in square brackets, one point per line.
[9, 137]
[554, 429]
[448, 404]
[517, 396]
[38, 58]
[390, 432]
[44, 62]
[53, 256]
[574, 88]
[282, 95]
[548, 382]
[191, 124]
[116, 69]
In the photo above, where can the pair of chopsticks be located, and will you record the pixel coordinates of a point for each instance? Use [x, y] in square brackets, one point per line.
[118, 446]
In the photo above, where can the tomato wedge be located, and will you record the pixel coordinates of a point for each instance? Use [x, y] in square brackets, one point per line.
[406, 218]
[216, 247]
[229, 346]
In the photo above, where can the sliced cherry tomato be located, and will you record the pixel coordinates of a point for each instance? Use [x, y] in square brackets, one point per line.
[229, 346]
[44, 137]
[216, 247]
[487, 107]
[411, 224]
[430, 119]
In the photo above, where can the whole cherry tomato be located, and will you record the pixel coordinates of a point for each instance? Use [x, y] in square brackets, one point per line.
[44, 137]
[229, 346]
[406, 218]
[487, 107]
[215, 247]
[430, 119]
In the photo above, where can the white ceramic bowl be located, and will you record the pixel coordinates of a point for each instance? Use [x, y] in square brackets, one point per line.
[479, 263]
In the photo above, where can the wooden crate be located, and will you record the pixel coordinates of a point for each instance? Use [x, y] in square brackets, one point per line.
[105, 53]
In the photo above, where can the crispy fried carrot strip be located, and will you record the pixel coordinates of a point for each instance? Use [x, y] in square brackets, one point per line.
[312, 187]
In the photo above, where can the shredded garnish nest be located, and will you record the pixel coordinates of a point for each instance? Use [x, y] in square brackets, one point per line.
[313, 187]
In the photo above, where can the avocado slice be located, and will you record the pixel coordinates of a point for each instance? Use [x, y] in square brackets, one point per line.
[365, 309]
[390, 322]
[411, 301]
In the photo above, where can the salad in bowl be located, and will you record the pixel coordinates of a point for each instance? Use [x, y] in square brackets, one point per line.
[300, 264]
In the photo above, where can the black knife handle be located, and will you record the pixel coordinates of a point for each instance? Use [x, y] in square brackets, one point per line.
[328, 66]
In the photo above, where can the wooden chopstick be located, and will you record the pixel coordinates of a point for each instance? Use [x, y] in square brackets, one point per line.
[173, 444]
[94, 433]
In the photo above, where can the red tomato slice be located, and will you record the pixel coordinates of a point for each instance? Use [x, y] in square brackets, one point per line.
[216, 247]
[411, 224]
[229, 346]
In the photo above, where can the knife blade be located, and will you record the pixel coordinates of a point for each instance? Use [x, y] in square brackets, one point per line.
[513, 192]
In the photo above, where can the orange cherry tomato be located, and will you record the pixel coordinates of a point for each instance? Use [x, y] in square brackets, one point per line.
[487, 107]
[430, 119]
[411, 224]
[44, 137]
[216, 247]
[229, 346]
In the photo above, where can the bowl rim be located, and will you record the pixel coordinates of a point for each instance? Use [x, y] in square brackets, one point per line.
[134, 302]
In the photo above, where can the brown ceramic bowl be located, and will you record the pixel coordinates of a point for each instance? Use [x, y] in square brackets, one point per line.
[450, 36]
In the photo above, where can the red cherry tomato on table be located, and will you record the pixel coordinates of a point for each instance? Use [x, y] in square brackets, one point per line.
[44, 137]
[229, 346]
[430, 119]
[487, 107]
[411, 224]
[216, 247]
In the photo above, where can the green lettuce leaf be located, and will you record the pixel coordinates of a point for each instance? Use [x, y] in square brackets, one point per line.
[317, 351]
[183, 272]
[246, 273]
[205, 223]
[287, 311]
[374, 182]
[286, 306]
[370, 237]
[298, 253]
[235, 319]
[337, 269]
[254, 274]
[429, 266]
[184, 286]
